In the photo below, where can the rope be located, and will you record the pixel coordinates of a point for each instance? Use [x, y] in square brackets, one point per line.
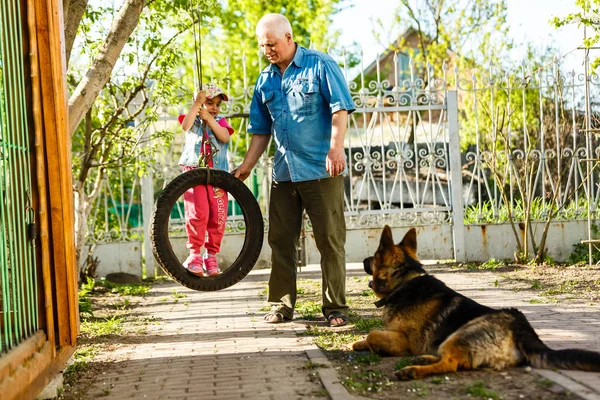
[196, 29]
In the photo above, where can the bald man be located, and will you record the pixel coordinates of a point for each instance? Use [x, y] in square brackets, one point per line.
[301, 100]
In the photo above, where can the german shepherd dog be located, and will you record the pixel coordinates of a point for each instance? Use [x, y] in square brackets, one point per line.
[446, 330]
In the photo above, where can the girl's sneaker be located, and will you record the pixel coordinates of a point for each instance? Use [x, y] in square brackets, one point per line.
[211, 265]
[194, 264]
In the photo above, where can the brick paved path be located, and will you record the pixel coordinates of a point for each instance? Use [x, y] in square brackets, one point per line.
[210, 345]
[216, 345]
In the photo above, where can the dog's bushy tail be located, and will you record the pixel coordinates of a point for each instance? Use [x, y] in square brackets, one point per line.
[583, 360]
[541, 356]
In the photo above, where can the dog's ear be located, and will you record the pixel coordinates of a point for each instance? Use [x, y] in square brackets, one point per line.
[386, 241]
[409, 242]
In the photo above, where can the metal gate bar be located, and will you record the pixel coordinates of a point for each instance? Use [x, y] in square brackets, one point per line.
[18, 276]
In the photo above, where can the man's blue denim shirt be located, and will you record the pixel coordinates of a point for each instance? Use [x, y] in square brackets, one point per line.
[296, 109]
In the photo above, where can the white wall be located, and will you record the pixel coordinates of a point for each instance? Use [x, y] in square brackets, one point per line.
[483, 242]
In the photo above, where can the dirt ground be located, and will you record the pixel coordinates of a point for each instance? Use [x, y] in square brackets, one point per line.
[371, 376]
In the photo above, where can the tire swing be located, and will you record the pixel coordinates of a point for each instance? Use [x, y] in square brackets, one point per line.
[203, 175]
[159, 229]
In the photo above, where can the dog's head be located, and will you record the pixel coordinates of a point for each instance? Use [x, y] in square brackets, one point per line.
[393, 264]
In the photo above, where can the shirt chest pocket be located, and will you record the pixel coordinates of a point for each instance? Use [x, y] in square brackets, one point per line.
[308, 96]
[268, 99]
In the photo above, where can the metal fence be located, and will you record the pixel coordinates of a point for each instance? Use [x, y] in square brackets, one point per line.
[18, 275]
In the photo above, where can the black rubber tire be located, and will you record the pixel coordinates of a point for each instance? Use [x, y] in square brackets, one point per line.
[159, 229]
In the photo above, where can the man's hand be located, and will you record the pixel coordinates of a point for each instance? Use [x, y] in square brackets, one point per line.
[336, 161]
[242, 172]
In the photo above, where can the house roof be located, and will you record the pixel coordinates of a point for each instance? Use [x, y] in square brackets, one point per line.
[391, 49]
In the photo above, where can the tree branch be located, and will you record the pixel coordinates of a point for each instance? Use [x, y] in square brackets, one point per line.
[99, 73]
[74, 10]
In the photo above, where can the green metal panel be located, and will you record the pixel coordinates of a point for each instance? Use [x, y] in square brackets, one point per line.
[18, 277]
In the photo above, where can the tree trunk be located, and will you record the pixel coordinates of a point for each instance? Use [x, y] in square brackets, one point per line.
[99, 73]
[73, 13]
[82, 212]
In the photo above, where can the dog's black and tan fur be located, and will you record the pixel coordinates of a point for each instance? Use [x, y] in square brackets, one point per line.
[448, 331]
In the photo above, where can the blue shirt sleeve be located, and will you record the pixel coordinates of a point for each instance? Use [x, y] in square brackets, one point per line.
[334, 88]
[260, 118]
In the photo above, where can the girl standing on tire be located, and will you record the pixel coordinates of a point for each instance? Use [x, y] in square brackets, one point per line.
[205, 206]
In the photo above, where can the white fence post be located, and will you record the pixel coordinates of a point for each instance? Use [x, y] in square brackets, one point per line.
[458, 210]
[147, 207]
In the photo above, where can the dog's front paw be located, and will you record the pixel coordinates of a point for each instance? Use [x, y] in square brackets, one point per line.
[406, 374]
[361, 345]
[425, 360]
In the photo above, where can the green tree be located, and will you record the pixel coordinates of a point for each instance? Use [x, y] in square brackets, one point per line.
[230, 34]
[588, 17]
[128, 92]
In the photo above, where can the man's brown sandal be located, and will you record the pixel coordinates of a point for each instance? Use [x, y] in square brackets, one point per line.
[335, 315]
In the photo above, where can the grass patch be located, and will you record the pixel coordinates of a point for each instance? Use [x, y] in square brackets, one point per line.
[177, 295]
[329, 340]
[85, 302]
[403, 362]
[366, 324]
[311, 365]
[368, 381]
[563, 288]
[480, 390]
[308, 309]
[419, 388]
[102, 326]
[490, 265]
[81, 359]
[125, 289]
[545, 383]
[367, 359]
[437, 380]
[536, 284]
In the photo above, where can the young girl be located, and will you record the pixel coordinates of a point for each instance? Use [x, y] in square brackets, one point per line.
[205, 206]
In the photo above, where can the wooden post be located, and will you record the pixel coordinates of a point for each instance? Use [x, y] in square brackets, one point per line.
[50, 40]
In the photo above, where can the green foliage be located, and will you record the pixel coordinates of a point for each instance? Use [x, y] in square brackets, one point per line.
[115, 143]
[368, 381]
[81, 361]
[580, 253]
[588, 16]
[366, 324]
[103, 326]
[308, 309]
[492, 264]
[539, 210]
[232, 34]
[367, 359]
[403, 362]
[330, 340]
[480, 390]
[126, 289]
[85, 302]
